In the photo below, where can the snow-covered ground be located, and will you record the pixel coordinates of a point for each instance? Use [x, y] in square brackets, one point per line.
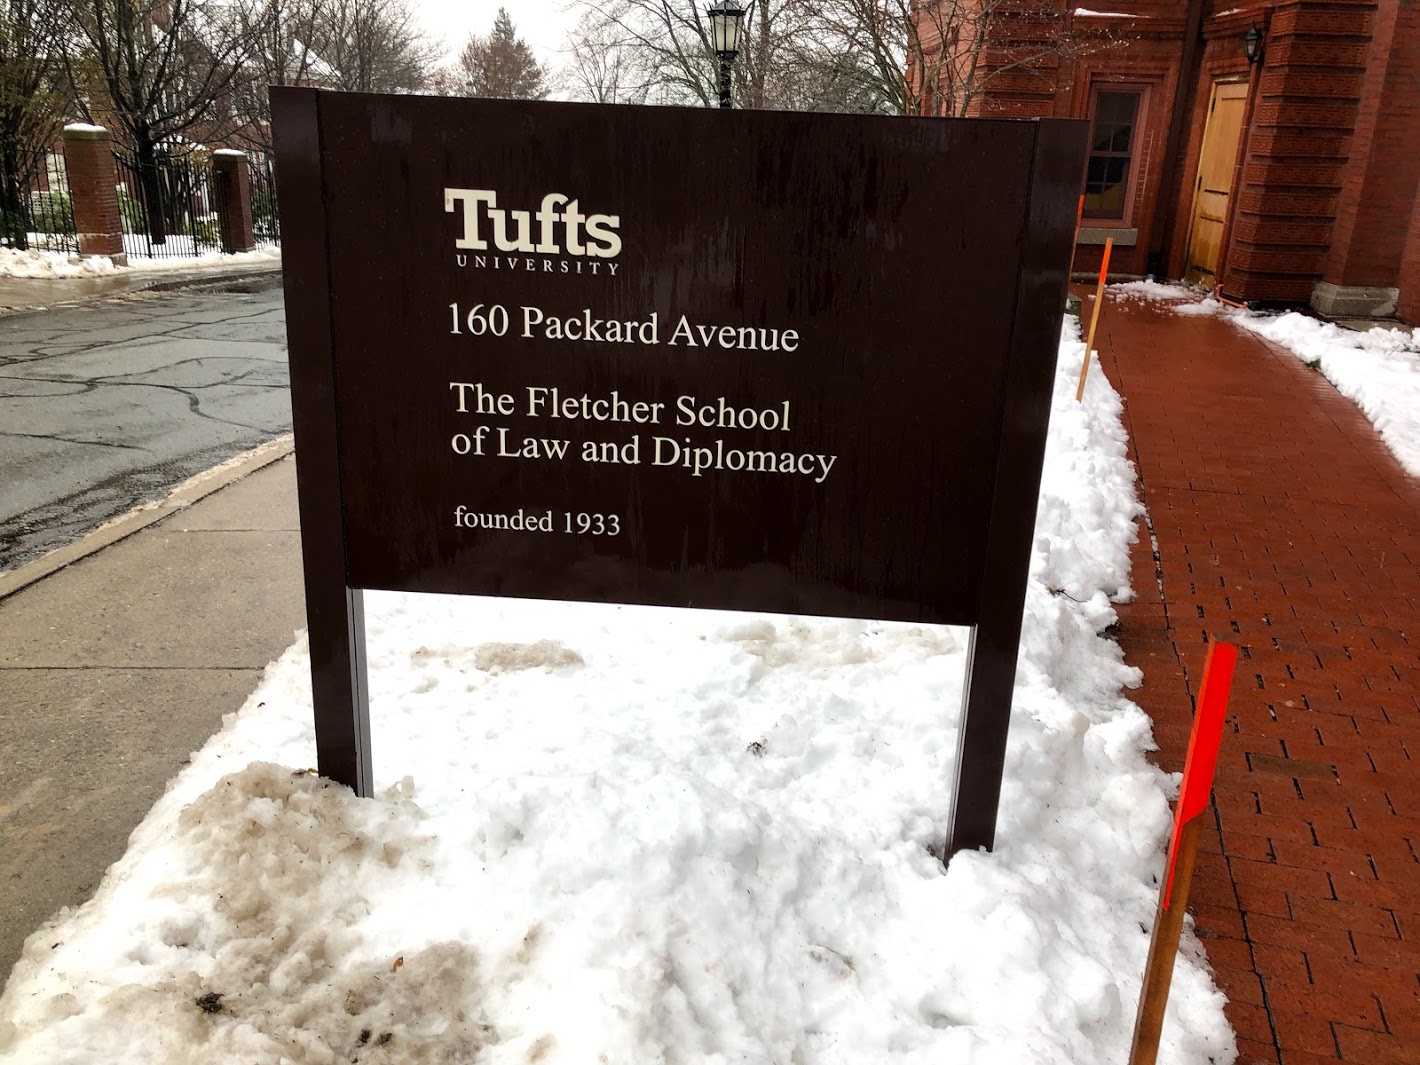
[1379, 369]
[50, 264]
[634, 835]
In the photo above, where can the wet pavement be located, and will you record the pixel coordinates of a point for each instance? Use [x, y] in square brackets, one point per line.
[17, 293]
[260, 269]
[107, 405]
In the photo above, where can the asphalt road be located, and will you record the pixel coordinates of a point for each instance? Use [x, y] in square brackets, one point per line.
[108, 405]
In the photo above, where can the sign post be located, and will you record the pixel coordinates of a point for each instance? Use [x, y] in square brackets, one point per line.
[747, 361]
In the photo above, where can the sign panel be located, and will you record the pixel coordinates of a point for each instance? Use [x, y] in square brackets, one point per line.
[749, 360]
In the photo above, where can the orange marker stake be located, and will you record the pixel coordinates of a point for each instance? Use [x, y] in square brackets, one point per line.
[1094, 318]
[1198, 771]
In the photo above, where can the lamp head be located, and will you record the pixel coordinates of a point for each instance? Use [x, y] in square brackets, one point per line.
[1252, 44]
[725, 19]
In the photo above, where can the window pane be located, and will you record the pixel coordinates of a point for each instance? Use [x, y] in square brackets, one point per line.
[1111, 144]
[1118, 107]
[1117, 110]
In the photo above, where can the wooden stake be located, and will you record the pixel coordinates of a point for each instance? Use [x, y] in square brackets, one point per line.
[1094, 318]
[1198, 771]
[1163, 950]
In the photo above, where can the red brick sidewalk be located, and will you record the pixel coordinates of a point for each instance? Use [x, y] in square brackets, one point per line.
[1282, 523]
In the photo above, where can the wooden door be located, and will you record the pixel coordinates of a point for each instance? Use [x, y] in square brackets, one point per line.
[1216, 168]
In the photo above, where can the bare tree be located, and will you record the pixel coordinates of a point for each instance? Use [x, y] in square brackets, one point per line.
[363, 45]
[499, 64]
[933, 57]
[374, 46]
[165, 68]
[283, 53]
[31, 101]
[603, 67]
[666, 43]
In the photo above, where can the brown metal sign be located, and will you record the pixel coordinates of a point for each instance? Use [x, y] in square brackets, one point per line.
[750, 360]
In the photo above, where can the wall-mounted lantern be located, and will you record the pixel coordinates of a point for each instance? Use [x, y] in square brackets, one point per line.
[1252, 45]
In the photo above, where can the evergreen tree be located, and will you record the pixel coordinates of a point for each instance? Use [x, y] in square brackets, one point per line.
[500, 65]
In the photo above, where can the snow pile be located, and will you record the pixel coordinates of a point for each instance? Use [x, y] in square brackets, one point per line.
[52, 264]
[1207, 305]
[638, 835]
[1379, 370]
[1154, 290]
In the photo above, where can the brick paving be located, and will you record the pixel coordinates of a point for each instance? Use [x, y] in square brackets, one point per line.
[1282, 523]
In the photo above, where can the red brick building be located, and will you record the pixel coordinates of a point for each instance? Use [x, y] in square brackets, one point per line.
[1292, 178]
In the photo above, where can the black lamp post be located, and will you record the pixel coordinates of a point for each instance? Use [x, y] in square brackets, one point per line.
[725, 18]
[1252, 45]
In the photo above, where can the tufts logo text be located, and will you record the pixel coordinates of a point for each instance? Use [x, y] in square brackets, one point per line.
[528, 239]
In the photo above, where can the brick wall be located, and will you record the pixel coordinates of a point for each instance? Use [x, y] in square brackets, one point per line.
[1143, 54]
[1330, 168]
[1379, 187]
[1305, 109]
[1141, 51]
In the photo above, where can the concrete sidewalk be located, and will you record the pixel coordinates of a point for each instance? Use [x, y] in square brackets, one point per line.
[120, 662]
[1280, 522]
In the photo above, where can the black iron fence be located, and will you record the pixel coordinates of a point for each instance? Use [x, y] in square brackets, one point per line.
[169, 206]
[173, 206]
[265, 223]
[36, 207]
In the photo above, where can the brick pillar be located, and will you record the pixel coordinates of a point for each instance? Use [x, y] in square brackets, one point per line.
[233, 180]
[93, 185]
[1363, 268]
[1306, 106]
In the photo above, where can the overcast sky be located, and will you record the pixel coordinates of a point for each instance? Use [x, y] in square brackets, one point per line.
[542, 23]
